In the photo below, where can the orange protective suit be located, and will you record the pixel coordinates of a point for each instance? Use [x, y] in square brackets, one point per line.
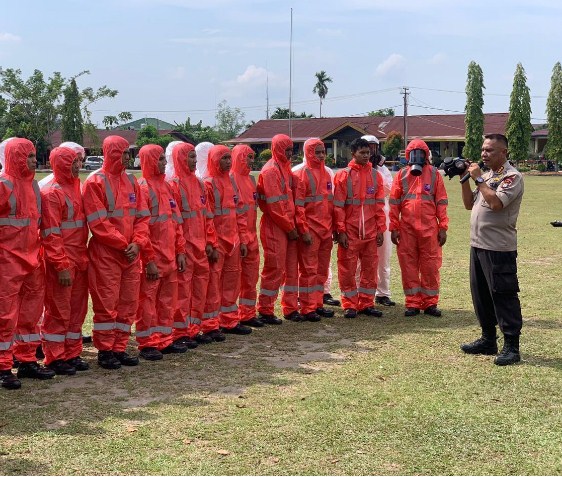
[116, 217]
[231, 228]
[418, 209]
[250, 267]
[359, 213]
[23, 277]
[65, 236]
[190, 194]
[314, 212]
[158, 298]
[275, 189]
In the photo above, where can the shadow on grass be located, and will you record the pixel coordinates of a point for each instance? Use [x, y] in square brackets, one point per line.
[542, 361]
[273, 356]
[21, 466]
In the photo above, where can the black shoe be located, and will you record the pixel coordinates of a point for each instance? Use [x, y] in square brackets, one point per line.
[216, 335]
[86, 339]
[126, 359]
[35, 371]
[239, 329]
[312, 316]
[412, 312]
[294, 316]
[432, 310]
[62, 368]
[8, 380]
[349, 313]
[510, 352]
[191, 344]
[254, 322]
[150, 354]
[107, 360]
[370, 311]
[174, 348]
[384, 301]
[484, 345]
[203, 338]
[270, 319]
[325, 312]
[79, 364]
[330, 300]
[39, 352]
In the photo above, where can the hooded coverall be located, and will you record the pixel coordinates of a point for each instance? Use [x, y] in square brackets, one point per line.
[158, 298]
[418, 209]
[23, 276]
[190, 194]
[275, 190]
[314, 214]
[65, 236]
[250, 267]
[358, 210]
[116, 217]
[231, 229]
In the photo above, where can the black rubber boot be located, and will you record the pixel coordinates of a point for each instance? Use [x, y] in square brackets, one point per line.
[510, 352]
[486, 344]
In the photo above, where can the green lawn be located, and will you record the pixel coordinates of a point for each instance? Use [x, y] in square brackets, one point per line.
[365, 396]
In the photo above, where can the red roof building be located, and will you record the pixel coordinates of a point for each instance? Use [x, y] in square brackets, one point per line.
[444, 134]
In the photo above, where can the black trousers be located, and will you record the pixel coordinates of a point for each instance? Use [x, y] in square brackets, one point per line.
[494, 286]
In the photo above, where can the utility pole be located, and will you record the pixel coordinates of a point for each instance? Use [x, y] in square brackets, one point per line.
[405, 92]
[267, 93]
[291, 77]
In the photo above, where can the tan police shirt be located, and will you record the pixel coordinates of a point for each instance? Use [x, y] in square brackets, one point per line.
[495, 230]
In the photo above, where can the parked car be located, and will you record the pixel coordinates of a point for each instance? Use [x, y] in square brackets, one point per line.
[93, 162]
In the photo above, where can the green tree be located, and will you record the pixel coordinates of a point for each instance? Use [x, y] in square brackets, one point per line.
[283, 113]
[382, 112]
[113, 122]
[197, 133]
[149, 135]
[72, 124]
[554, 116]
[230, 121]
[321, 86]
[474, 117]
[33, 107]
[518, 127]
[393, 144]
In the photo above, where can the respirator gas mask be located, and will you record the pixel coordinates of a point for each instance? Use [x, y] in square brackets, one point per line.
[416, 161]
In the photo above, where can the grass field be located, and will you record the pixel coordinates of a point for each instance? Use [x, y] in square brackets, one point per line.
[367, 396]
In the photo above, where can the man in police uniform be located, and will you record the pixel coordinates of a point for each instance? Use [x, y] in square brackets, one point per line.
[493, 239]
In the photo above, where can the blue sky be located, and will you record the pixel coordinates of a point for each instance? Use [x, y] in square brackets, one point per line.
[177, 58]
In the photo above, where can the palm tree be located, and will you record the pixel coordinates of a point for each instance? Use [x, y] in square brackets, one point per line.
[321, 86]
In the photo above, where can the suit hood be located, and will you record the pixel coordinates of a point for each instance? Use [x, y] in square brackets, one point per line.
[113, 149]
[239, 163]
[149, 157]
[179, 159]
[16, 152]
[418, 144]
[279, 143]
[215, 154]
[61, 159]
[202, 149]
[310, 158]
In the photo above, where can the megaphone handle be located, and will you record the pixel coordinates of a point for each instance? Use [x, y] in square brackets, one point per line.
[465, 178]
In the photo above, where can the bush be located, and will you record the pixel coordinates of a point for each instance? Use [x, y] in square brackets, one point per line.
[523, 169]
[541, 168]
[265, 155]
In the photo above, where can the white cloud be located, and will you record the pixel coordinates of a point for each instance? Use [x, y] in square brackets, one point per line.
[253, 75]
[8, 37]
[330, 32]
[392, 63]
[178, 73]
[438, 59]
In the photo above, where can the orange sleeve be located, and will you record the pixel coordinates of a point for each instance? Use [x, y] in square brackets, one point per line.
[300, 195]
[96, 214]
[272, 199]
[379, 197]
[340, 194]
[441, 202]
[52, 207]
